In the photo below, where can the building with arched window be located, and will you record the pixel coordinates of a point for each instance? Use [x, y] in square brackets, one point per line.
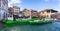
[3, 9]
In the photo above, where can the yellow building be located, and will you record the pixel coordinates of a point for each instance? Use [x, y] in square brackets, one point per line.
[26, 12]
[46, 13]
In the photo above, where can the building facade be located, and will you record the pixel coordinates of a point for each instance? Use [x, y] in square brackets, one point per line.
[16, 10]
[47, 13]
[30, 13]
[21, 14]
[27, 12]
[34, 13]
[10, 10]
[56, 16]
[3, 9]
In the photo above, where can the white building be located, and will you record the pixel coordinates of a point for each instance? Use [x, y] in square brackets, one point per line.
[3, 9]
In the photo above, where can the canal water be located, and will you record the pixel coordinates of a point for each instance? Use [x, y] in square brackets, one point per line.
[55, 26]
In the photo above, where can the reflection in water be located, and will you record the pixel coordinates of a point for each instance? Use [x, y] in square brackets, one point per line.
[15, 29]
[47, 27]
[11, 29]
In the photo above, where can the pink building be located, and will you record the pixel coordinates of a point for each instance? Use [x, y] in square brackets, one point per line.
[16, 10]
[56, 16]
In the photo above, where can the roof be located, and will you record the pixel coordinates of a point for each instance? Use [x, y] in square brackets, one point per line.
[25, 10]
[49, 10]
[34, 10]
[16, 7]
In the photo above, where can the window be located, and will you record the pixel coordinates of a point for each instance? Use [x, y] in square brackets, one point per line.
[4, 15]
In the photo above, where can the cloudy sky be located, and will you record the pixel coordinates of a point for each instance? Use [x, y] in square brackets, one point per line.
[36, 4]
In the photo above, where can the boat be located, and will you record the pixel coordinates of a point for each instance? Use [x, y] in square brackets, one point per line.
[24, 22]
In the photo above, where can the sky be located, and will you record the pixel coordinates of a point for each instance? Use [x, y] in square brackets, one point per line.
[36, 4]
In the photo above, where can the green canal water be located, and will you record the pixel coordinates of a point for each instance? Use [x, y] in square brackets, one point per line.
[55, 26]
